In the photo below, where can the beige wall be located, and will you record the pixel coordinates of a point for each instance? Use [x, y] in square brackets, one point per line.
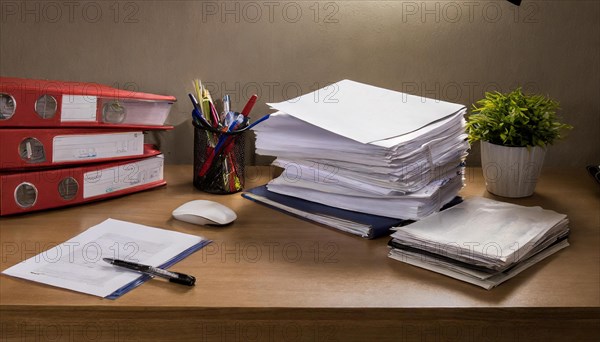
[452, 50]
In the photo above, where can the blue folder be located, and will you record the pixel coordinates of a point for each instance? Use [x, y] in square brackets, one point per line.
[144, 278]
[374, 226]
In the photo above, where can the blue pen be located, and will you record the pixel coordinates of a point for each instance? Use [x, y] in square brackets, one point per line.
[195, 116]
[257, 121]
[229, 118]
[252, 124]
[197, 112]
[195, 103]
[215, 152]
[199, 119]
[222, 138]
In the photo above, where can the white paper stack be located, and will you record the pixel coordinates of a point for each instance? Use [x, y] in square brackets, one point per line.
[362, 148]
[481, 241]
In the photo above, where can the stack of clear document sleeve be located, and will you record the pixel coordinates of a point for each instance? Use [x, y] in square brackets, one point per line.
[367, 149]
[481, 241]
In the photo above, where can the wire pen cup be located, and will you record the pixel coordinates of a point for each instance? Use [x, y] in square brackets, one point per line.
[218, 168]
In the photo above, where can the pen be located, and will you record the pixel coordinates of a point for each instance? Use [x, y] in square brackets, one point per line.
[222, 141]
[229, 117]
[249, 105]
[230, 143]
[198, 88]
[258, 121]
[215, 115]
[226, 106]
[208, 108]
[197, 112]
[173, 277]
[229, 146]
[195, 103]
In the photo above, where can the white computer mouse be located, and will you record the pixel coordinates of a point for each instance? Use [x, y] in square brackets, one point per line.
[204, 212]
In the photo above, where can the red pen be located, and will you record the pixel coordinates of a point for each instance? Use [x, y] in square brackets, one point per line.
[215, 116]
[249, 105]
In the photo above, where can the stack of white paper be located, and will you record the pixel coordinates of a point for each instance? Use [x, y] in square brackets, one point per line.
[367, 149]
[481, 241]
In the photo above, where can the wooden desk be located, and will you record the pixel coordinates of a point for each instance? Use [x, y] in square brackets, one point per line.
[272, 277]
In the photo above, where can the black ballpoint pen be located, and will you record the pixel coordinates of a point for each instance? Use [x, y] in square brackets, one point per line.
[173, 277]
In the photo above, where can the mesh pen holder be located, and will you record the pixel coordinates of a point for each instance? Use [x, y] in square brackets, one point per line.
[218, 169]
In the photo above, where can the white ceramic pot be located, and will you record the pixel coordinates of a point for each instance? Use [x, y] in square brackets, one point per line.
[511, 171]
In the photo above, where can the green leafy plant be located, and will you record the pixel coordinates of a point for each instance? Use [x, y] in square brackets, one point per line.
[515, 119]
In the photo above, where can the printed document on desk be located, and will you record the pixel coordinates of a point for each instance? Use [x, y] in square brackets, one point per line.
[77, 263]
[366, 113]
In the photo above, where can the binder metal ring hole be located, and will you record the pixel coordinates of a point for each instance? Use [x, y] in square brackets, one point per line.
[68, 188]
[46, 106]
[113, 112]
[32, 151]
[26, 195]
[8, 106]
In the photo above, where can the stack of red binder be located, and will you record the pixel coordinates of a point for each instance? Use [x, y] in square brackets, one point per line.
[65, 143]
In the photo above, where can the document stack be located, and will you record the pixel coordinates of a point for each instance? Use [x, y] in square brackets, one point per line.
[481, 241]
[363, 150]
[64, 143]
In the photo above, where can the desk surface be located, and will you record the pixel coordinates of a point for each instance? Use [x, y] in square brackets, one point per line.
[269, 266]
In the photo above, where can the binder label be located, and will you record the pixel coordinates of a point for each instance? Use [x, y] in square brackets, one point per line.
[105, 181]
[78, 108]
[97, 146]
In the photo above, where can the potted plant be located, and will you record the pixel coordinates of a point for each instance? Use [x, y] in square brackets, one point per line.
[514, 129]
